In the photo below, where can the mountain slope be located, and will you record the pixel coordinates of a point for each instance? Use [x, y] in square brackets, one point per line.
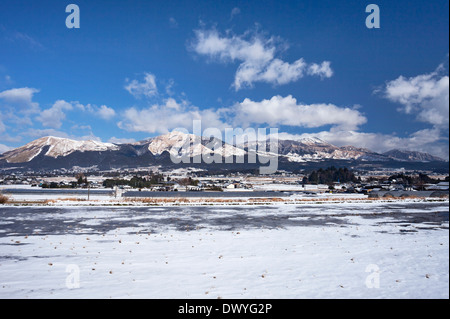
[411, 156]
[198, 146]
[56, 147]
[315, 149]
[53, 153]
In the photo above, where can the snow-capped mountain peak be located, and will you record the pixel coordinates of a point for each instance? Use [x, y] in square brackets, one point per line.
[175, 140]
[57, 147]
[166, 142]
[312, 141]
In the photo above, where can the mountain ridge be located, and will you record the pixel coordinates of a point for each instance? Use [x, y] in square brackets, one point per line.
[406, 155]
[55, 151]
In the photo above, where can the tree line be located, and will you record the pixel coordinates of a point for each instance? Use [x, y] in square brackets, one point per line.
[135, 181]
[330, 175]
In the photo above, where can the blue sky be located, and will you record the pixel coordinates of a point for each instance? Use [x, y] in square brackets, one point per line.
[136, 69]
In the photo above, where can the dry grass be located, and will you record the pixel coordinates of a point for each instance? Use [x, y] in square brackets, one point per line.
[249, 201]
[69, 199]
[3, 199]
[181, 201]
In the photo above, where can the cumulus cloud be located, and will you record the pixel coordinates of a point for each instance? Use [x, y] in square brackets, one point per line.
[21, 99]
[286, 111]
[146, 88]
[54, 116]
[323, 70]
[106, 113]
[257, 56]
[16, 107]
[426, 96]
[166, 114]
[162, 118]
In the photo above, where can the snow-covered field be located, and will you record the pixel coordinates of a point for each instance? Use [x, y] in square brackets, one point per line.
[335, 250]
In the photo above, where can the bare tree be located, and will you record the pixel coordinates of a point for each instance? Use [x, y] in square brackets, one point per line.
[185, 182]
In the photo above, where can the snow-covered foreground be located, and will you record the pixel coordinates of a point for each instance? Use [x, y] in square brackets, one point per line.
[353, 250]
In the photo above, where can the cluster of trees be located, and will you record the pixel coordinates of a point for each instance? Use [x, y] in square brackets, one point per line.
[410, 180]
[56, 185]
[188, 182]
[81, 180]
[419, 181]
[413, 180]
[142, 182]
[330, 175]
[135, 181]
[344, 175]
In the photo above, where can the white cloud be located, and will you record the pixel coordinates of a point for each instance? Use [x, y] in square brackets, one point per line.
[166, 117]
[83, 108]
[115, 140]
[162, 118]
[38, 133]
[5, 137]
[89, 137]
[16, 118]
[21, 99]
[105, 112]
[16, 107]
[286, 111]
[4, 148]
[323, 70]
[257, 57]
[54, 116]
[276, 72]
[254, 50]
[2, 126]
[147, 88]
[169, 86]
[81, 127]
[425, 95]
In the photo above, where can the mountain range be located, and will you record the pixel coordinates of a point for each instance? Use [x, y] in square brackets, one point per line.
[57, 153]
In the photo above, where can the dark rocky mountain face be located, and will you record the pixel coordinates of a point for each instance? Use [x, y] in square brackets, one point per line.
[411, 156]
